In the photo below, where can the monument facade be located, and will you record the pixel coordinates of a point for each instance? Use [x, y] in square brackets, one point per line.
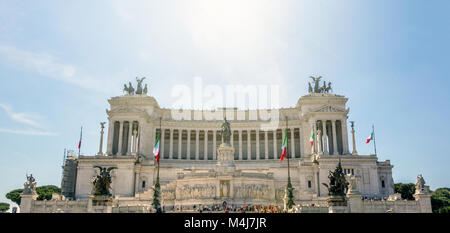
[234, 157]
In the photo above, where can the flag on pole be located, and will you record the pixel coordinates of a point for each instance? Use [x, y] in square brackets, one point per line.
[81, 136]
[311, 139]
[156, 149]
[370, 138]
[284, 146]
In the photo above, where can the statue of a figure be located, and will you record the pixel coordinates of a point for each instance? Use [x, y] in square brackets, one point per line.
[323, 89]
[338, 184]
[316, 84]
[102, 182]
[29, 187]
[310, 90]
[420, 184]
[226, 132]
[139, 85]
[317, 88]
[329, 89]
[145, 89]
[129, 89]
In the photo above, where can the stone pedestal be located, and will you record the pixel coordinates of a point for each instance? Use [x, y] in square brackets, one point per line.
[225, 159]
[424, 200]
[337, 204]
[26, 202]
[354, 203]
[338, 209]
[100, 204]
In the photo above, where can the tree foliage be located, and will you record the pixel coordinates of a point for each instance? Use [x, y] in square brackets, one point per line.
[156, 195]
[44, 193]
[290, 194]
[406, 190]
[440, 200]
[14, 195]
[4, 207]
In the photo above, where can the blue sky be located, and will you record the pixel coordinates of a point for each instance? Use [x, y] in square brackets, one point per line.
[61, 61]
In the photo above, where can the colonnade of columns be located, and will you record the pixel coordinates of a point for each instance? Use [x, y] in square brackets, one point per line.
[330, 137]
[249, 144]
[125, 137]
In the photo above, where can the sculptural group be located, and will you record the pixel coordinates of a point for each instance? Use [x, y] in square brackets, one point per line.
[102, 183]
[317, 88]
[138, 91]
[338, 184]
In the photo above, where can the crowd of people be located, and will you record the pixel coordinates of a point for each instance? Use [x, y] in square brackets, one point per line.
[373, 198]
[226, 208]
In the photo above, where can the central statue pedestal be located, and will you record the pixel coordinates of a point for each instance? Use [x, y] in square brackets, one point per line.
[225, 159]
[100, 204]
[337, 204]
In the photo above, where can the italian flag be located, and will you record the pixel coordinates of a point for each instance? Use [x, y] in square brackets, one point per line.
[370, 138]
[81, 137]
[156, 149]
[311, 139]
[284, 147]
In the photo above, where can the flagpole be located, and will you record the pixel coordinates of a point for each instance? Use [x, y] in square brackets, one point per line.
[287, 148]
[157, 160]
[79, 143]
[374, 143]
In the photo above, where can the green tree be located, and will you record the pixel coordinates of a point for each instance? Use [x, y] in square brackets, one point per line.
[440, 200]
[44, 193]
[14, 196]
[4, 207]
[290, 194]
[406, 190]
[156, 195]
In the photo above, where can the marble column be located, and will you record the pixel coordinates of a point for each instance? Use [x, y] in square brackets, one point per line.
[314, 129]
[119, 151]
[249, 145]
[266, 146]
[292, 143]
[232, 139]
[214, 145]
[188, 145]
[130, 134]
[325, 137]
[140, 140]
[197, 144]
[110, 138]
[134, 149]
[333, 128]
[163, 140]
[180, 139]
[205, 154]
[275, 150]
[301, 137]
[240, 144]
[100, 148]
[318, 139]
[171, 144]
[354, 152]
[258, 155]
[345, 136]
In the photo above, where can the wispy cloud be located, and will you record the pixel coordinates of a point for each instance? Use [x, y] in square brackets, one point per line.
[47, 65]
[20, 117]
[29, 132]
[26, 119]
